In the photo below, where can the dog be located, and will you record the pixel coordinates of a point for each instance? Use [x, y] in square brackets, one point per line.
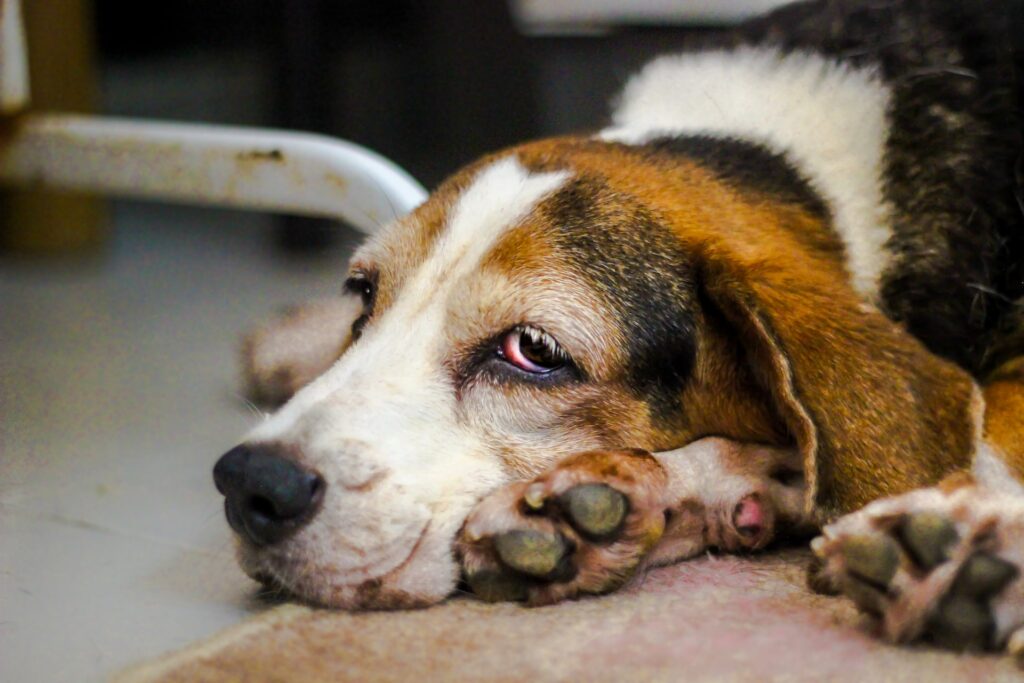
[780, 294]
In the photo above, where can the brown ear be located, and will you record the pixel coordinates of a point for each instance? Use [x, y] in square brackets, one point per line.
[871, 410]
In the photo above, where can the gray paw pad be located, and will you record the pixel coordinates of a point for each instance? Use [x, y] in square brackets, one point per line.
[927, 538]
[597, 510]
[983, 576]
[961, 623]
[497, 586]
[926, 575]
[963, 620]
[873, 558]
[535, 553]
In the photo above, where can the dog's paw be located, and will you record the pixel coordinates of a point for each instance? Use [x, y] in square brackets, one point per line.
[290, 350]
[582, 527]
[730, 496]
[934, 565]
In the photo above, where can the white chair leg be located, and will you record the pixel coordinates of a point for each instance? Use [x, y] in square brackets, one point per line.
[251, 168]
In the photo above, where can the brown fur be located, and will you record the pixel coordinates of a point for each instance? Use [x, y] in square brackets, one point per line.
[1004, 413]
[788, 352]
[843, 378]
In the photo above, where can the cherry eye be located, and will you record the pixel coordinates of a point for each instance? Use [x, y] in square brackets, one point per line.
[532, 350]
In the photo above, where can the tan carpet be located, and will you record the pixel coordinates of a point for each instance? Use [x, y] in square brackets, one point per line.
[714, 619]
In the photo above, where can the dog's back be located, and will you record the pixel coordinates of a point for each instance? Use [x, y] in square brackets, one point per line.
[952, 268]
[952, 160]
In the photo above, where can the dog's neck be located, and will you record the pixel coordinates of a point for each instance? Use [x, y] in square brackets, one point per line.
[827, 119]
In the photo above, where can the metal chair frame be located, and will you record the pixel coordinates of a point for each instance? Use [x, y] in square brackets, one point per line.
[247, 168]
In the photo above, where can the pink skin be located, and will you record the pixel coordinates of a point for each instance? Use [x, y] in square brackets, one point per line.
[512, 352]
[750, 515]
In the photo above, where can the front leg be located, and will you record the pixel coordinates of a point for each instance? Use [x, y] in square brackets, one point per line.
[940, 565]
[729, 496]
[291, 349]
[593, 521]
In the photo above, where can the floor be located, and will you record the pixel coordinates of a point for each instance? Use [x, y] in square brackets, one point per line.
[117, 394]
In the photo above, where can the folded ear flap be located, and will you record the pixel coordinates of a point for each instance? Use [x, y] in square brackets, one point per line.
[872, 411]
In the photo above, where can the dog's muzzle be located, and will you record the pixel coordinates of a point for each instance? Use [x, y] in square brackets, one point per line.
[267, 497]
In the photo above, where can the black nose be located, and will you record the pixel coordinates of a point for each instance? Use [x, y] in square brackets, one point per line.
[266, 497]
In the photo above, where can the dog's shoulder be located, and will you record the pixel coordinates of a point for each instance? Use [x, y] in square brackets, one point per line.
[828, 120]
[902, 118]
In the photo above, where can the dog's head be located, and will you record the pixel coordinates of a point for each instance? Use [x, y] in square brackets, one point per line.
[558, 297]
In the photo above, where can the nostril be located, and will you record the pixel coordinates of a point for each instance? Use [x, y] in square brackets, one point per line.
[267, 496]
[288, 508]
[316, 488]
[263, 506]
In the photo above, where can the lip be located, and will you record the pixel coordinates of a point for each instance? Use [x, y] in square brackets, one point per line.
[274, 571]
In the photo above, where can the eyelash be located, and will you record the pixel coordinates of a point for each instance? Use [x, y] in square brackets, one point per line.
[511, 350]
[488, 361]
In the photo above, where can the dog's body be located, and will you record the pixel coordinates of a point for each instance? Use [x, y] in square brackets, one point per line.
[786, 269]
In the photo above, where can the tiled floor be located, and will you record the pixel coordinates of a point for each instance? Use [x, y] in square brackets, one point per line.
[117, 393]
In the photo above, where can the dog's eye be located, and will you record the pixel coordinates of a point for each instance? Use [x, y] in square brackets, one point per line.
[361, 286]
[532, 350]
[365, 287]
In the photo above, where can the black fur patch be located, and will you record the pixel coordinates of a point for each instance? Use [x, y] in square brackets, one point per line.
[956, 278]
[746, 165]
[638, 266]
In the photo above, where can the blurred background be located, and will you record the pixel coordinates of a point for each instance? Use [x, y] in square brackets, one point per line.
[120, 320]
[429, 85]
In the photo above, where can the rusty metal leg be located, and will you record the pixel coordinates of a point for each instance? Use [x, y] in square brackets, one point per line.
[251, 168]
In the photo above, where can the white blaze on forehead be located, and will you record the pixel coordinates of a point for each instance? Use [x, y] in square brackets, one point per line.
[500, 196]
[387, 367]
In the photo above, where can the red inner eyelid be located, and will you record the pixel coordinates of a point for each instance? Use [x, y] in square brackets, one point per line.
[513, 353]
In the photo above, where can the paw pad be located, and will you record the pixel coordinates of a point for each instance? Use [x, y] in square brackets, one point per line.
[929, 573]
[535, 553]
[983, 576]
[963, 619]
[872, 558]
[497, 585]
[960, 623]
[927, 538]
[596, 510]
[581, 528]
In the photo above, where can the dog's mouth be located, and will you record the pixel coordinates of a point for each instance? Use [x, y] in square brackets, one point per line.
[289, 574]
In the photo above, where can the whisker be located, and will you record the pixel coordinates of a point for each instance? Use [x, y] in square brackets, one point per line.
[253, 408]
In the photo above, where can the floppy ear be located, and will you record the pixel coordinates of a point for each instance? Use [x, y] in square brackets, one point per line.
[871, 410]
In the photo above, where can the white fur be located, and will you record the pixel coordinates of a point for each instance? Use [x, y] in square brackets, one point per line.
[381, 425]
[827, 118]
[988, 465]
[990, 471]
